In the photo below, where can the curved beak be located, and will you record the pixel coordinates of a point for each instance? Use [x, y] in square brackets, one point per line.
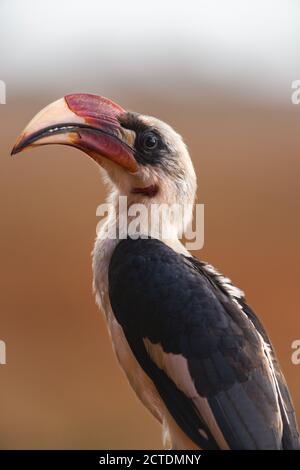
[87, 122]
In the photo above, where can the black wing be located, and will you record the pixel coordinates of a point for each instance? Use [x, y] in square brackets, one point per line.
[203, 348]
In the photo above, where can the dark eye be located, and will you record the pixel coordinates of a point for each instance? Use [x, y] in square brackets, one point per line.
[149, 141]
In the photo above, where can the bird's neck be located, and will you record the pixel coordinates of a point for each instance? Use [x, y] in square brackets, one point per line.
[122, 222]
[135, 216]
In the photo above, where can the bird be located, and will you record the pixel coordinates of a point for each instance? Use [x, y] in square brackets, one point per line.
[192, 349]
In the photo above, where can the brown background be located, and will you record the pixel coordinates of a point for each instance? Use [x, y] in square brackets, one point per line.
[61, 386]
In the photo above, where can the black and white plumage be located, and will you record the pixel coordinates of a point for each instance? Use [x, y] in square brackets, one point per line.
[202, 347]
[192, 349]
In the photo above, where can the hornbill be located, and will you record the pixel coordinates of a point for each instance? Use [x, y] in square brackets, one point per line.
[192, 349]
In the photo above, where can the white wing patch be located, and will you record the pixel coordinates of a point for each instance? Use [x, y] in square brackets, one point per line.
[176, 368]
[269, 367]
[225, 282]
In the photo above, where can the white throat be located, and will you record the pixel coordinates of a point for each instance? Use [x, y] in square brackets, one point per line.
[131, 217]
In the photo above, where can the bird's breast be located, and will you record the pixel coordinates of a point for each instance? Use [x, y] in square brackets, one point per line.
[137, 378]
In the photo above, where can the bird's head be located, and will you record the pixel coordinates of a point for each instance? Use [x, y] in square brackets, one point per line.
[144, 158]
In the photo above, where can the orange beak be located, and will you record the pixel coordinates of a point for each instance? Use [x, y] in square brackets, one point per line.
[87, 122]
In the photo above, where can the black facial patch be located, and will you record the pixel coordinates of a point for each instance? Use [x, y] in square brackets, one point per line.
[159, 154]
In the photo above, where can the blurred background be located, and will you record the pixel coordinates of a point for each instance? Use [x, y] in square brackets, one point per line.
[220, 73]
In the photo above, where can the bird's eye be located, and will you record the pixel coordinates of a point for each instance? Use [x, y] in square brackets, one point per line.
[149, 141]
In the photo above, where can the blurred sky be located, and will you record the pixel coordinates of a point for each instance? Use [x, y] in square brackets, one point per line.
[251, 47]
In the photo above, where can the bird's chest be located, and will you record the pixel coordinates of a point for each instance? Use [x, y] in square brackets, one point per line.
[137, 378]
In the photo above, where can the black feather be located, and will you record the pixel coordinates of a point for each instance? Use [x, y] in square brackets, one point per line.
[174, 301]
